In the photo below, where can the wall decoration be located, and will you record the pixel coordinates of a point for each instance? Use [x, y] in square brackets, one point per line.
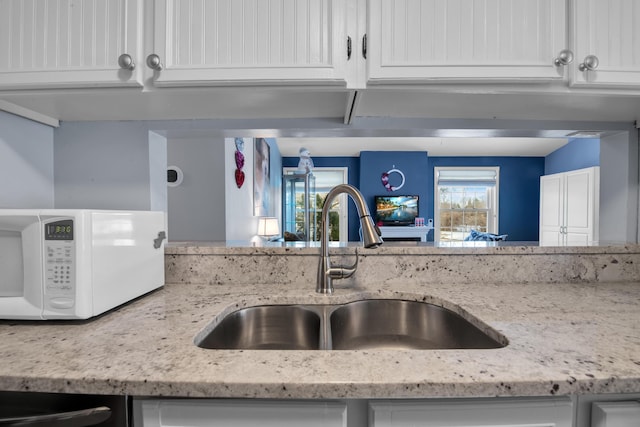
[385, 179]
[261, 178]
[239, 174]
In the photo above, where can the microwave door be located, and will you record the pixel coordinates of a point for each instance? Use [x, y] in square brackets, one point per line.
[21, 263]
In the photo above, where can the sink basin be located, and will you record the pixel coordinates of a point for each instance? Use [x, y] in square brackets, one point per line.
[397, 324]
[280, 327]
[365, 324]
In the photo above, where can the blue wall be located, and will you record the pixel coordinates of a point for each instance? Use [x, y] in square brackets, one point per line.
[577, 154]
[518, 211]
[413, 164]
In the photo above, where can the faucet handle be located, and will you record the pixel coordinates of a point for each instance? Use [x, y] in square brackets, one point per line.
[343, 271]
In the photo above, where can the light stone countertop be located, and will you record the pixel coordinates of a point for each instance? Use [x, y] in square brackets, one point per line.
[564, 338]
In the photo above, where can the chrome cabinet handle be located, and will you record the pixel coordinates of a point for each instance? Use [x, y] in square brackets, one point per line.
[565, 57]
[125, 61]
[84, 417]
[348, 48]
[153, 62]
[364, 46]
[590, 63]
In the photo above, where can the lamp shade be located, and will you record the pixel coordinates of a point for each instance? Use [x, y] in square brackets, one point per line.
[268, 226]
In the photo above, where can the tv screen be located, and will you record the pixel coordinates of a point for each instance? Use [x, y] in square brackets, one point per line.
[396, 210]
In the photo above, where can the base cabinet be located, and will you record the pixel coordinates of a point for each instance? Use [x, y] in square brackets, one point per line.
[516, 412]
[469, 412]
[238, 413]
[615, 414]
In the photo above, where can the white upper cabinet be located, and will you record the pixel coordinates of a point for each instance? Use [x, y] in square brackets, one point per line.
[68, 43]
[227, 42]
[433, 41]
[608, 31]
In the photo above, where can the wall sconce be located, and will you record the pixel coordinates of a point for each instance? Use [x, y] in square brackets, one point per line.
[268, 227]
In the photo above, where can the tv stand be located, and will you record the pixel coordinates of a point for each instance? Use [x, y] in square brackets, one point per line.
[409, 233]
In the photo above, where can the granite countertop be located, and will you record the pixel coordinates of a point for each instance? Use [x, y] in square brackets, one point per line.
[563, 339]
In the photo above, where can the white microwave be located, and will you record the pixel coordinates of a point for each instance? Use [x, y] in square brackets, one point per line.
[76, 264]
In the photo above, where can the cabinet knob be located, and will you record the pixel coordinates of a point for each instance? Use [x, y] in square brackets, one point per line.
[590, 63]
[153, 62]
[565, 57]
[125, 61]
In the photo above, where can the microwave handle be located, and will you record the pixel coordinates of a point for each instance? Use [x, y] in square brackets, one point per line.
[81, 418]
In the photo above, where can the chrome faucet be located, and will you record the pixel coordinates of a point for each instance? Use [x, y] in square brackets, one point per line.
[370, 237]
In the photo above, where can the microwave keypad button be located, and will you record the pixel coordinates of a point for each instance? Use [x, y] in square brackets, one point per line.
[60, 282]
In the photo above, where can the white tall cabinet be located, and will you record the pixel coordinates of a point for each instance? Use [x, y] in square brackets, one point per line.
[69, 43]
[569, 208]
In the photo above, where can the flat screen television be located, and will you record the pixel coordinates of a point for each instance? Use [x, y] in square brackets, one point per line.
[396, 210]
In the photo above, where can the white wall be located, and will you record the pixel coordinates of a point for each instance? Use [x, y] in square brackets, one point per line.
[197, 206]
[102, 165]
[619, 188]
[26, 163]
[122, 165]
[158, 171]
[241, 224]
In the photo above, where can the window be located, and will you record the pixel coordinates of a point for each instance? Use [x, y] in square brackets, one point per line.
[466, 198]
[325, 179]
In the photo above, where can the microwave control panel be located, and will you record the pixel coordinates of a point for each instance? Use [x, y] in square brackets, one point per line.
[59, 250]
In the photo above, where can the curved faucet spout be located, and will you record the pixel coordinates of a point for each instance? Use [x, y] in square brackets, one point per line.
[370, 236]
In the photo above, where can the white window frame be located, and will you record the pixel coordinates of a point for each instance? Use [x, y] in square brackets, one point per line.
[343, 210]
[493, 203]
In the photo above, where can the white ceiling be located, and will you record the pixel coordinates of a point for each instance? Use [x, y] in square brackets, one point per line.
[351, 147]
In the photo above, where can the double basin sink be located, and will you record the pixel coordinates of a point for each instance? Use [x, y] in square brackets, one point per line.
[359, 325]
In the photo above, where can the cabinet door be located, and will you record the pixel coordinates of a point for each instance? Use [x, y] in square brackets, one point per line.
[240, 413]
[581, 206]
[68, 43]
[610, 30]
[422, 41]
[556, 412]
[226, 42]
[551, 210]
[615, 414]
[569, 208]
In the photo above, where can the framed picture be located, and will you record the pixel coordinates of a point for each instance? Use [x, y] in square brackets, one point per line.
[261, 178]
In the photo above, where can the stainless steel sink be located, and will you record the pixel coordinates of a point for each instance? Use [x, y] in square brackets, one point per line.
[279, 327]
[397, 324]
[365, 324]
